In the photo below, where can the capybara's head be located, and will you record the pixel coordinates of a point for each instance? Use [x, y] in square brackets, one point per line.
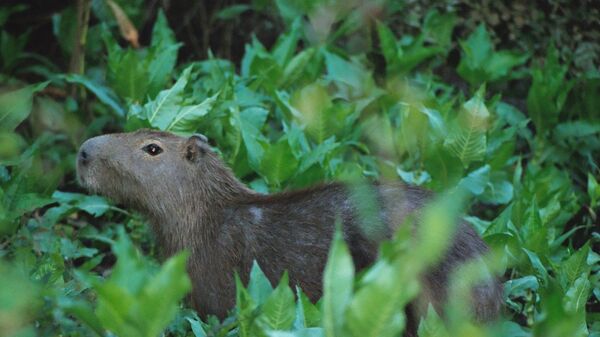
[154, 172]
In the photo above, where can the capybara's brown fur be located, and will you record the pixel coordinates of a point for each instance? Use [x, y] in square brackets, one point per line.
[194, 202]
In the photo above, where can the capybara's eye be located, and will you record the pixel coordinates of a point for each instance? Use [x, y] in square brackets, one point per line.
[152, 149]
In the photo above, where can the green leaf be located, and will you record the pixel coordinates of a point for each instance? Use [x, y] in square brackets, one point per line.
[480, 63]
[338, 280]
[259, 286]
[278, 310]
[548, 92]
[576, 265]
[286, 44]
[197, 328]
[593, 190]
[467, 141]
[307, 314]
[476, 181]
[577, 295]
[350, 73]
[387, 40]
[188, 118]
[432, 325]
[307, 332]
[232, 11]
[278, 163]
[15, 105]
[104, 94]
[537, 265]
[94, 205]
[376, 309]
[250, 121]
[127, 74]
[171, 111]
[533, 232]
[159, 300]
[137, 300]
[161, 112]
[162, 55]
[244, 309]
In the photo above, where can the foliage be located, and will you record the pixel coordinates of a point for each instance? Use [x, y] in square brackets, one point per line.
[307, 108]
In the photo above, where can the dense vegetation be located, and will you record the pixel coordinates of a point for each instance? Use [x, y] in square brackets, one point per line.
[507, 129]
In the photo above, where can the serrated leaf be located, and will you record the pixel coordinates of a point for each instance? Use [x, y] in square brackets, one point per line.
[468, 141]
[250, 121]
[278, 163]
[162, 55]
[278, 311]
[480, 63]
[548, 92]
[307, 314]
[188, 117]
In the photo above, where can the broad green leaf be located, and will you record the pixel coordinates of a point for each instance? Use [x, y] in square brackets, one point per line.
[162, 55]
[278, 163]
[338, 280]
[197, 328]
[577, 295]
[438, 27]
[136, 300]
[161, 112]
[518, 287]
[250, 121]
[377, 308]
[480, 63]
[104, 94]
[307, 314]
[279, 311]
[477, 180]
[533, 232]
[259, 287]
[350, 72]
[20, 299]
[188, 117]
[468, 141]
[15, 105]
[285, 47]
[128, 74]
[94, 205]
[159, 300]
[574, 267]
[432, 325]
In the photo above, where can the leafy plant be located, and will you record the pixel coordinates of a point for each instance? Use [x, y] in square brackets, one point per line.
[314, 102]
[480, 63]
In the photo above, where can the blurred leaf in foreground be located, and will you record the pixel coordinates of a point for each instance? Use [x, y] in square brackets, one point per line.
[137, 299]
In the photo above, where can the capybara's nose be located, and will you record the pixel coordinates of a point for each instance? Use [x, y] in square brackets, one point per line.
[86, 151]
[91, 149]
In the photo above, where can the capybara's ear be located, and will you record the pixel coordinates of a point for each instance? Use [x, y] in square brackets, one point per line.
[195, 147]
